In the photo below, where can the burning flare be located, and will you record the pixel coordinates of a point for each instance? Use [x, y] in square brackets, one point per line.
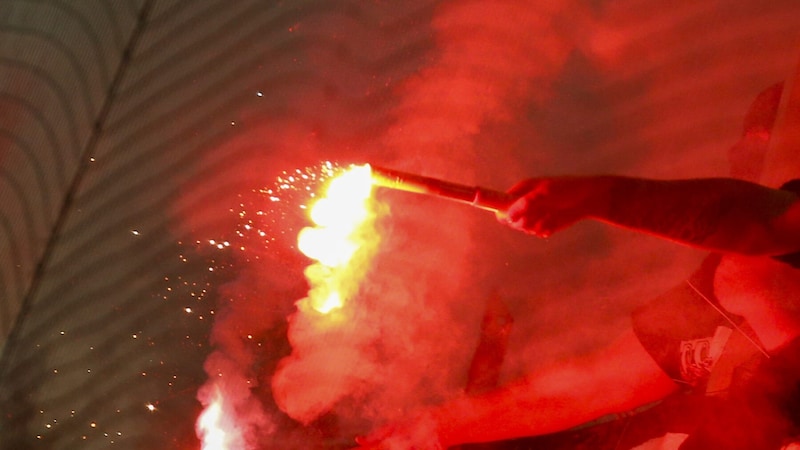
[342, 237]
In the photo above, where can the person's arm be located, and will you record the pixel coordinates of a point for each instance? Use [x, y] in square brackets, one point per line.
[719, 214]
[566, 394]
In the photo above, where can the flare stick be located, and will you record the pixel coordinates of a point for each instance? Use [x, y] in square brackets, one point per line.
[488, 199]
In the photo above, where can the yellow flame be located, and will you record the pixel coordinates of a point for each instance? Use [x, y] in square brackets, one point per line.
[340, 240]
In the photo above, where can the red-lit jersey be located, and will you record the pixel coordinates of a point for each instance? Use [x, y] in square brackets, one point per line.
[696, 342]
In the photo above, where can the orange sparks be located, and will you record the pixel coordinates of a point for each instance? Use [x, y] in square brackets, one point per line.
[341, 240]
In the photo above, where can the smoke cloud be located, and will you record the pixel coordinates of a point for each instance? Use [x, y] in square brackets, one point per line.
[411, 341]
[500, 92]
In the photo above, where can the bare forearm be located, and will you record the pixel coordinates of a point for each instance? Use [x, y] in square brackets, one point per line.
[715, 213]
[513, 412]
[618, 378]
[559, 397]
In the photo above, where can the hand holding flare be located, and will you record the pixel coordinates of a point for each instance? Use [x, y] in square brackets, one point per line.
[543, 206]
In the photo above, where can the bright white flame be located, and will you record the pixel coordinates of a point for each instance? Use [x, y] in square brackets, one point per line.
[343, 228]
[212, 436]
[355, 184]
[331, 247]
[214, 428]
[329, 303]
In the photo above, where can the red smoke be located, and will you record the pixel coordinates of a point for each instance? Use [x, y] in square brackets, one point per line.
[489, 61]
[483, 104]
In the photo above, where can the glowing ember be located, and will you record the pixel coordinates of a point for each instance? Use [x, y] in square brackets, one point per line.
[342, 237]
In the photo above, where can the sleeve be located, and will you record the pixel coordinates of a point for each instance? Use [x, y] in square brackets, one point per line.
[683, 330]
[793, 259]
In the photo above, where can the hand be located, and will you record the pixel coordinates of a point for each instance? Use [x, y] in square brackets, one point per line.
[547, 205]
[418, 433]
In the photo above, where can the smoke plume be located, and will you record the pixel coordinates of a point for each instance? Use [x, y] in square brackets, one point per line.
[493, 92]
